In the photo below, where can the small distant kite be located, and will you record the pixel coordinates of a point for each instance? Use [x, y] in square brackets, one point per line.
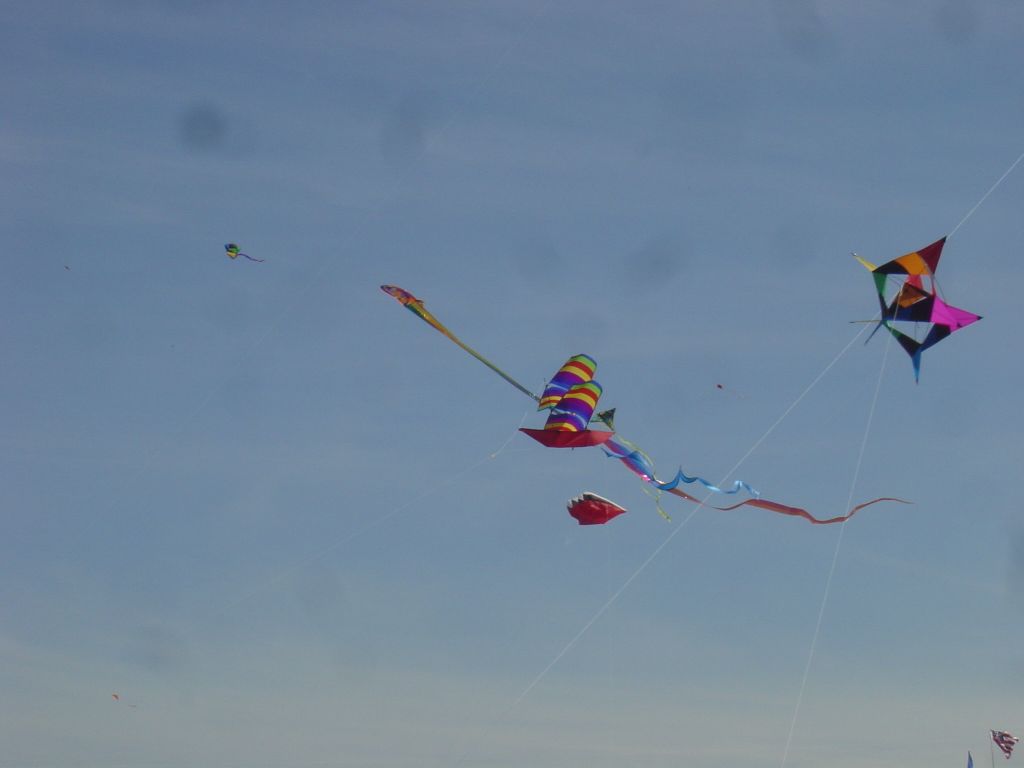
[116, 697]
[1005, 741]
[730, 391]
[909, 294]
[591, 509]
[233, 252]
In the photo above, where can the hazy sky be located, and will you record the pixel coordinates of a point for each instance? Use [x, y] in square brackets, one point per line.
[291, 525]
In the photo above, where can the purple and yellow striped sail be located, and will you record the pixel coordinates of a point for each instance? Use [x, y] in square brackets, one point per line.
[572, 397]
[578, 369]
[573, 411]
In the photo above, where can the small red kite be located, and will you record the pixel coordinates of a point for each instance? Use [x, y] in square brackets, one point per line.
[591, 509]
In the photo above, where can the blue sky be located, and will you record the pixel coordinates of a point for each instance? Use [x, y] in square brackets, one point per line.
[259, 500]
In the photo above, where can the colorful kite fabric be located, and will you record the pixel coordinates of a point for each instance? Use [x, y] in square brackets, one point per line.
[640, 464]
[415, 306]
[784, 509]
[1005, 741]
[970, 761]
[578, 369]
[591, 509]
[559, 438]
[572, 413]
[912, 301]
[572, 396]
[233, 253]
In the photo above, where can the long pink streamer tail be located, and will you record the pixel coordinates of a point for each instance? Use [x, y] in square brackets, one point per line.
[785, 509]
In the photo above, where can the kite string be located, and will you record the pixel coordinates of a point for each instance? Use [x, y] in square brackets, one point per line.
[593, 620]
[985, 196]
[664, 543]
[835, 557]
[795, 403]
[657, 550]
[376, 522]
[147, 456]
[670, 537]
[607, 604]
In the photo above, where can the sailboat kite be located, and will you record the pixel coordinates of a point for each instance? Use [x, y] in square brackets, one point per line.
[571, 396]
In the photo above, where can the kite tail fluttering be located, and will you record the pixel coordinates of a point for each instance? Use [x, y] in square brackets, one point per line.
[572, 396]
[640, 463]
[785, 509]
[233, 252]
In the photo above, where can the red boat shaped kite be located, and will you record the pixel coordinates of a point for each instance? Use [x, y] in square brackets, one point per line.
[591, 509]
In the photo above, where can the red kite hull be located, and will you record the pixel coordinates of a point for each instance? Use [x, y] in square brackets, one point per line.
[591, 509]
[556, 438]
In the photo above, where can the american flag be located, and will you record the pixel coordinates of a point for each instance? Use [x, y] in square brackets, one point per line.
[1005, 742]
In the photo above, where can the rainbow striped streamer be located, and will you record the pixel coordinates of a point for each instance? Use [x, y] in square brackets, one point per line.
[573, 411]
[578, 369]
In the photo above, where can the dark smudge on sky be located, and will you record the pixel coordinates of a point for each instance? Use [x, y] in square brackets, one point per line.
[203, 128]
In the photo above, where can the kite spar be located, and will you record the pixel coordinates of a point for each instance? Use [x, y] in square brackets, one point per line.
[415, 306]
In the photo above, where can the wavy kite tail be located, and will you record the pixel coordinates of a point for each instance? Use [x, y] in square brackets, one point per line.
[785, 509]
[736, 487]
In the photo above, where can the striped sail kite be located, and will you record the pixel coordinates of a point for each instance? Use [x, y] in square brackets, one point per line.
[571, 396]
[1005, 741]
